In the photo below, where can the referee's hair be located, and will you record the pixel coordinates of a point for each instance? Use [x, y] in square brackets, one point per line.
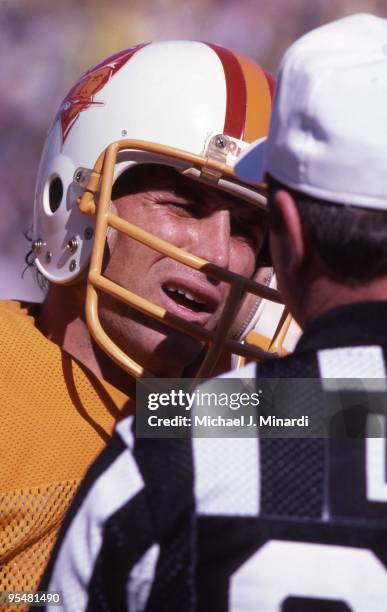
[351, 241]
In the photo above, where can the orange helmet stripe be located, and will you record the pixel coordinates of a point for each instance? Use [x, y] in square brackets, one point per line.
[259, 94]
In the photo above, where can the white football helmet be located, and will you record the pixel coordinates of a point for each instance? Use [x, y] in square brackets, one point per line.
[189, 105]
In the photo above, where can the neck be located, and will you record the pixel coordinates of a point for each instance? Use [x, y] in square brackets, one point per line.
[323, 294]
[70, 332]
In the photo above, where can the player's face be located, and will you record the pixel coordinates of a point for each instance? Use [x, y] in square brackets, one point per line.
[202, 220]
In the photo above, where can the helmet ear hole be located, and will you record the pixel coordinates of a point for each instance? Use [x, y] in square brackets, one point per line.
[55, 193]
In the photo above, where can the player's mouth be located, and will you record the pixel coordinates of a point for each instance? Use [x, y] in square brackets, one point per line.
[190, 300]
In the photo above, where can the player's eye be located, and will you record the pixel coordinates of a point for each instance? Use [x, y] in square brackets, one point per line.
[183, 209]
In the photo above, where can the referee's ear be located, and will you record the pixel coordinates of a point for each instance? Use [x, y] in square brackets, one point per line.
[289, 231]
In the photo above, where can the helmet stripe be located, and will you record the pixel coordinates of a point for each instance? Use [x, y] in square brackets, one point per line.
[234, 124]
[258, 99]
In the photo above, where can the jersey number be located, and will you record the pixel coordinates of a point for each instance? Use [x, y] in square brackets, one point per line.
[283, 570]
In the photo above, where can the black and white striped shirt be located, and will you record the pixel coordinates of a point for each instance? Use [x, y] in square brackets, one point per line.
[232, 525]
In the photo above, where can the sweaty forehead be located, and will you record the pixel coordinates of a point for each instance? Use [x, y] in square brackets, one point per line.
[155, 177]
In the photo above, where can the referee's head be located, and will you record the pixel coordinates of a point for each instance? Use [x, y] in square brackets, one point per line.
[325, 164]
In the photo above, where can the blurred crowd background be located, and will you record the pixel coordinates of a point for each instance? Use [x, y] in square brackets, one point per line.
[45, 46]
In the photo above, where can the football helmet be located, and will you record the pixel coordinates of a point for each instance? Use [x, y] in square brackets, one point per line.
[189, 105]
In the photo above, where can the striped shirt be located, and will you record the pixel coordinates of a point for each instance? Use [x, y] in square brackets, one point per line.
[232, 525]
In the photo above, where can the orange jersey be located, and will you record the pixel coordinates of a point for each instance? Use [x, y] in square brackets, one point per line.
[55, 418]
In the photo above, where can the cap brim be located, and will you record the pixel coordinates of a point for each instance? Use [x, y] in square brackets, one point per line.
[250, 165]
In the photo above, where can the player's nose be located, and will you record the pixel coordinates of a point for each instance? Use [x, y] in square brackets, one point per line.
[210, 238]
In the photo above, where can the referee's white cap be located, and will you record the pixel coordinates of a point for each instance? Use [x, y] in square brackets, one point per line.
[328, 134]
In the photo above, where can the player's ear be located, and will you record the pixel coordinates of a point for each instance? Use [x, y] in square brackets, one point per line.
[292, 229]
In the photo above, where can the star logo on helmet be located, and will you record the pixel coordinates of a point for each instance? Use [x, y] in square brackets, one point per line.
[82, 95]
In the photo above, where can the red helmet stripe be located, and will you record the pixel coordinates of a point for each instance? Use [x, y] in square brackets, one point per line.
[258, 99]
[234, 124]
